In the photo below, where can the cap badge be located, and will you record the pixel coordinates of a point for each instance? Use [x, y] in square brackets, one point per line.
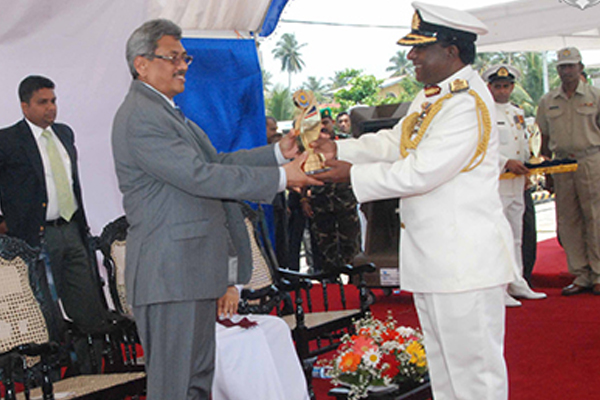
[503, 72]
[416, 21]
[459, 85]
[566, 53]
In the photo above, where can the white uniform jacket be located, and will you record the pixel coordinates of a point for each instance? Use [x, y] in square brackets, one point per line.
[513, 145]
[455, 236]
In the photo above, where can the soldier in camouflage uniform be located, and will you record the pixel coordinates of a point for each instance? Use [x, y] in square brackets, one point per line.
[335, 222]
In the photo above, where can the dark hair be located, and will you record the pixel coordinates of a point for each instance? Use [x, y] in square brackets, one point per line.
[143, 41]
[32, 84]
[466, 49]
[341, 115]
[271, 118]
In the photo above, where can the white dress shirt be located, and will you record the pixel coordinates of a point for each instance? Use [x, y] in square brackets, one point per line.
[52, 211]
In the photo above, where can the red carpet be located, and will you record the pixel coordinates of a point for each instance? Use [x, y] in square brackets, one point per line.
[552, 345]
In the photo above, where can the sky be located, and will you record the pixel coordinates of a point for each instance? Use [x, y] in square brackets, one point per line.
[333, 48]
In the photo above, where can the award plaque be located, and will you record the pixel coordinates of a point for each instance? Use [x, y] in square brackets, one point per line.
[308, 126]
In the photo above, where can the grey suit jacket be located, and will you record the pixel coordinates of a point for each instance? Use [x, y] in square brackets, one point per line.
[179, 197]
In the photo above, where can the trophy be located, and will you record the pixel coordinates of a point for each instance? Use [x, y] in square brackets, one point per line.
[535, 144]
[308, 124]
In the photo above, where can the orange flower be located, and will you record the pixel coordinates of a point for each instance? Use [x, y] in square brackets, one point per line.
[349, 362]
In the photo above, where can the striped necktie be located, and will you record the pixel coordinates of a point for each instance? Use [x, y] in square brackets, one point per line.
[66, 202]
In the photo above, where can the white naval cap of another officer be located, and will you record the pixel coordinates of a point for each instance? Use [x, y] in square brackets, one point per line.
[501, 72]
[431, 23]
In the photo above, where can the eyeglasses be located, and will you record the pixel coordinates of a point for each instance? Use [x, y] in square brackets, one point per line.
[175, 60]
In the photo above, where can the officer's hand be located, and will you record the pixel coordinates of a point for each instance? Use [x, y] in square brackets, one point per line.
[516, 167]
[339, 171]
[327, 147]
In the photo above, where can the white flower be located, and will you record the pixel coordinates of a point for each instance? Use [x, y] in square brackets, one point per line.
[371, 357]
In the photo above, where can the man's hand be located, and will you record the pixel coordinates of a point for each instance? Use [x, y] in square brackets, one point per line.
[516, 167]
[227, 305]
[296, 176]
[289, 145]
[339, 171]
[327, 147]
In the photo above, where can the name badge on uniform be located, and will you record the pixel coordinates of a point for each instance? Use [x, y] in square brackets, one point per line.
[553, 108]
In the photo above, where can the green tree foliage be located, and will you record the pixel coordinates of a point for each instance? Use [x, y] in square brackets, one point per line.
[400, 64]
[317, 87]
[288, 52]
[410, 88]
[266, 78]
[280, 105]
[363, 90]
[342, 78]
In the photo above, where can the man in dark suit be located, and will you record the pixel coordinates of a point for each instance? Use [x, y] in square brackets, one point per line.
[40, 197]
[185, 227]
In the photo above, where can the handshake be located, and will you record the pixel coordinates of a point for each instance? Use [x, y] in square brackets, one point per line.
[326, 149]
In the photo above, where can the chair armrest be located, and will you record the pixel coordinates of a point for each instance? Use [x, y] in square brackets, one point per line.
[297, 280]
[256, 294]
[358, 269]
[35, 349]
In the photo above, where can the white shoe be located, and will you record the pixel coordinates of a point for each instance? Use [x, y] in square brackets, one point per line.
[510, 301]
[521, 290]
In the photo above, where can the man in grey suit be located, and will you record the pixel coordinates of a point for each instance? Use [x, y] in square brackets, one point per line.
[185, 227]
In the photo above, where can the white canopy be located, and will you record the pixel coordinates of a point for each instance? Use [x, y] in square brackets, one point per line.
[538, 25]
[224, 18]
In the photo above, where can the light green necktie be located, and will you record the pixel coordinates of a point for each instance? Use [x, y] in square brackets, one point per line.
[66, 203]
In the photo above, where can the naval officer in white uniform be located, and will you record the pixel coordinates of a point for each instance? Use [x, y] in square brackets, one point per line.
[457, 252]
[514, 152]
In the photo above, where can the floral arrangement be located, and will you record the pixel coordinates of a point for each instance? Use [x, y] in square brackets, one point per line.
[379, 354]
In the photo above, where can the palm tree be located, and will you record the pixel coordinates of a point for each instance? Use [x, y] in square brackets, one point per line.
[400, 64]
[342, 78]
[316, 86]
[280, 105]
[485, 60]
[266, 78]
[287, 51]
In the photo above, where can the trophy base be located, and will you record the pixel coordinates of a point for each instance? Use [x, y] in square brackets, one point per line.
[317, 171]
[536, 160]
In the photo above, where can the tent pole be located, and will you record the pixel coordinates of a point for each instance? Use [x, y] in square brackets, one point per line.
[545, 74]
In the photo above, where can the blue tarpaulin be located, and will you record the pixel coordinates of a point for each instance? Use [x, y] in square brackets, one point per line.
[223, 93]
[272, 17]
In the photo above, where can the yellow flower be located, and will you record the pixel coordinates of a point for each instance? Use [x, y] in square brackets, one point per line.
[417, 354]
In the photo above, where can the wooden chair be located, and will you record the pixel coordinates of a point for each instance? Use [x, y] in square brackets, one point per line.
[112, 245]
[316, 328]
[260, 295]
[26, 348]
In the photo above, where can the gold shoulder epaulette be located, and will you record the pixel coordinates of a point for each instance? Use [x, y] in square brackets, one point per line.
[459, 85]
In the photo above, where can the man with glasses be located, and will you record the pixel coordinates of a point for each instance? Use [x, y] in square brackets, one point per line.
[186, 229]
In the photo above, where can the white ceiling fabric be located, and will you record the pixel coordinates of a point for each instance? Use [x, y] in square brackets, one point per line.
[538, 25]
